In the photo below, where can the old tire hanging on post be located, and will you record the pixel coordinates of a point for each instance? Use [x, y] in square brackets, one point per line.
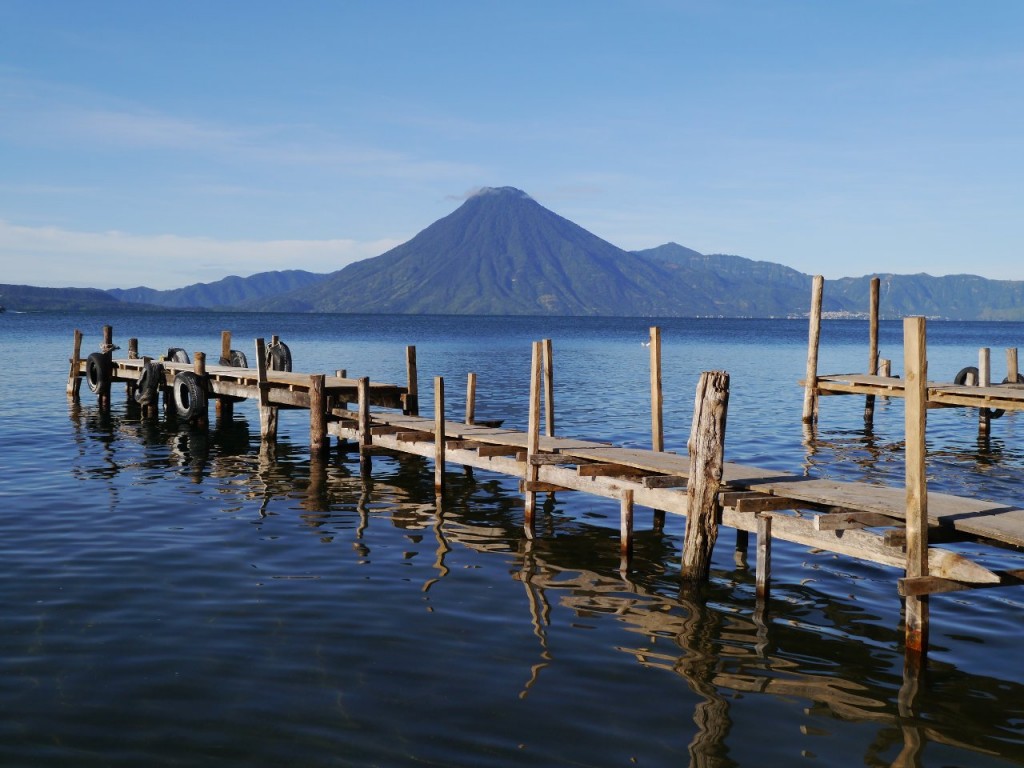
[176, 355]
[147, 388]
[98, 372]
[238, 359]
[189, 395]
[961, 378]
[279, 357]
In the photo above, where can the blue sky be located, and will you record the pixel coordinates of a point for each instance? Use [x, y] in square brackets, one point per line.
[164, 144]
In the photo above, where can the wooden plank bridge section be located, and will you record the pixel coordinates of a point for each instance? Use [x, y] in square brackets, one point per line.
[896, 527]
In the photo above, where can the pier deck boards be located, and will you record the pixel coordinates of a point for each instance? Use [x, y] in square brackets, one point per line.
[1008, 397]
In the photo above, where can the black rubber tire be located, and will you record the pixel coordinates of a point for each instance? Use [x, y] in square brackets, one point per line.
[961, 378]
[98, 373]
[1020, 379]
[176, 355]
[189, 395]
[238, 359]
[147, 388]
[279, 357]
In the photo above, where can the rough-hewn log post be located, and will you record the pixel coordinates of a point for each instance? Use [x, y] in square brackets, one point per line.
[916, 389]
[814, 339]
[625, 529]
[74, 380]
[707, 457]
[317, 414]
[532, 439]
[869, 401]
[1011, 365]
[365, 436]
[439, 435]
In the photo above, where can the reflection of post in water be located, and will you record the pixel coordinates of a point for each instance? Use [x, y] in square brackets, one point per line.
[540, 614]
[699, 665]
[443, 548]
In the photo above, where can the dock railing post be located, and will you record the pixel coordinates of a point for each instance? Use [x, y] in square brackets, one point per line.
[365, 436]
[869, 401]
[549, 389]
[412, 388]
[532, 439]
[439, 435]
[810, 414]
[915, 370]
[707, 456]
[74, 380]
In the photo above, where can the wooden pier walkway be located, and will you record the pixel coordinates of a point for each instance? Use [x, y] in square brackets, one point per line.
[896, 527]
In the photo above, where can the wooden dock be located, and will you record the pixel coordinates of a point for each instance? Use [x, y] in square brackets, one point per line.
[899, 527]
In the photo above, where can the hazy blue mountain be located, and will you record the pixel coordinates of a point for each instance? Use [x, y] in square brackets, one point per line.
[952, 297]
[229, 292]
[29, 298]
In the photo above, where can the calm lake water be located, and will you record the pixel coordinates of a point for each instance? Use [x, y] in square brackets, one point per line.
[171, 596]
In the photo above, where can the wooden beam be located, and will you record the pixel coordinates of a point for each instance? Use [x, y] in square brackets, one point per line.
[538, 486]
[533, 435]
[610, 470]
[541, 459]
[929, 585]
[471, 398]
[838, 521]
[768, 504]
[498, 450]
[439, 446]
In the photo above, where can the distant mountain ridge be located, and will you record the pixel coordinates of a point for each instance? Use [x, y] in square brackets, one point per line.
[502, 253]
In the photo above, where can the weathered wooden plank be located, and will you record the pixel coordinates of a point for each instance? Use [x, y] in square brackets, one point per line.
[615, 470]
[838, 521]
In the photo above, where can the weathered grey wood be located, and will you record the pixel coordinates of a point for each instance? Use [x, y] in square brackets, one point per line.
[533, 435]
[707, 449]
[915, 360]
[1011, 365]
[439, 446]
[810, 413]
[764, 555]
[317, 415]
[615, 470]
[365, 436]
[984, 380]
[549, 389]
[268, 412]
[838, 521]
[664, 481]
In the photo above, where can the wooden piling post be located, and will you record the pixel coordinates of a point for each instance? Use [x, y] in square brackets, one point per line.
[471, 398]
[1012, 373]
[225, 347]
[108, 339]
[74, 380]
[625, 529]
[317, 414]
[984, 380]
[268, 412]
[657, 409]
[365, 436]
[810, 414]
[133, 349]
[869, 401]
[764, 555]
[532, 438]
[916, 389]
[549, 389]
[707, 457]
[412, 402]
[439, 435]
[199, 368]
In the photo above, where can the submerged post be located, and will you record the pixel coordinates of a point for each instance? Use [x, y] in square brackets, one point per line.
[915, 367]
[532, 439]
[869, 401]
[549, 389]
[707, 458]
[810, 414]
[625, 529]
